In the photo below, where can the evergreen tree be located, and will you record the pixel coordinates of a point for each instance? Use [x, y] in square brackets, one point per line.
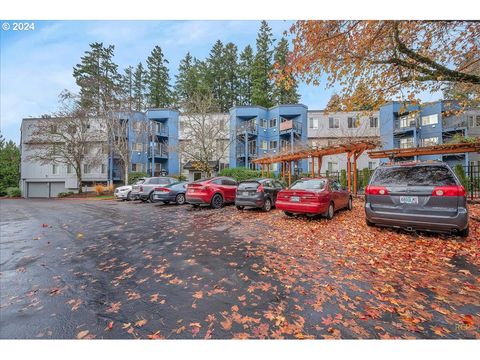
[285, 89]
[9, 165]
[139, 88]
[158, 81]
[245, 76]
[262, 68]
[98, 78]
[126, 84]
[186, 81]
[215, 75]
[230, 63]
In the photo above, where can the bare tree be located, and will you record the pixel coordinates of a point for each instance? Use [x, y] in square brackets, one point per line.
[70, 138]
[205, 141]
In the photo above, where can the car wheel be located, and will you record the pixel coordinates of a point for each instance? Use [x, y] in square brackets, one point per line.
[464, 232]
[330, 211]
[240, 207]
[350, 204]
[180, 199]
[217, 201]
[129, 196]
[150, 197]
[267, 205]
[288, 213]
[369, 223]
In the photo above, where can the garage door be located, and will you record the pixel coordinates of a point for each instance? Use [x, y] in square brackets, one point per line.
[38, 190]
[57, 187]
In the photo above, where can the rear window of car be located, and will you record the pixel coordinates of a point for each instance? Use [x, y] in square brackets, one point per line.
[308, 185]
[163, 181]
[414, 176]
[248, 185]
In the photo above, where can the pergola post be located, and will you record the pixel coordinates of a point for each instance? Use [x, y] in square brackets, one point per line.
[320, 166]
[355, 158]
[289, 173]
[268, 170]
[313, 166]
[349, 171]
[262, 170]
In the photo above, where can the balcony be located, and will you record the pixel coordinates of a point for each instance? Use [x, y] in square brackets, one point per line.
[454, 122]
[251, 152]
[161, 130]
[249, 127]
[159, 151]
[287, 125]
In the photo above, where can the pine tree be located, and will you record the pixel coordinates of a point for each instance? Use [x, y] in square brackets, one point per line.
[98, 78]
[230, 64]
[245, 76]
[262, 67]
[126, 84]
[285, 89]
[9, 165]
[215, 75]
[186, 82]
[158, 81]
[139, 88]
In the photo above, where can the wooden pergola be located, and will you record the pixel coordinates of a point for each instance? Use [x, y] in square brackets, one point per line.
[443, 149]
[353, 150]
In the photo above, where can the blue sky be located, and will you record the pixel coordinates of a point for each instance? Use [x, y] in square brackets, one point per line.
[37, 65]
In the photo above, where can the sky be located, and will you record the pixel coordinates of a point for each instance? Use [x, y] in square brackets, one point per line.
[36, 65]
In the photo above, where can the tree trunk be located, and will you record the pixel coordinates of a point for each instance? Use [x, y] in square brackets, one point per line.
[126, 173]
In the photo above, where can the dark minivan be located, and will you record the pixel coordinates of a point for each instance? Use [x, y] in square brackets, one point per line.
[258, 193]
[417, 196]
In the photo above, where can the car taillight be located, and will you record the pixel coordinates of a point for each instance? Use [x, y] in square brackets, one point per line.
[260, 188]
[376, 190]
[456, 190]
[161, 189]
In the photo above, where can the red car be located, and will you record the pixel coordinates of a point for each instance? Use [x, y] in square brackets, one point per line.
[215, 192]
[318, 196]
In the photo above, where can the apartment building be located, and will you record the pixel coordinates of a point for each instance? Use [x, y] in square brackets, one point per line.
[256, 131]
[404, 125]
[328, 128]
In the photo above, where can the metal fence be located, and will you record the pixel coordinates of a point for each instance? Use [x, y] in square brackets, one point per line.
[470, 179]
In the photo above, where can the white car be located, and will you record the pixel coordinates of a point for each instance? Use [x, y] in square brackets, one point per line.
[123, 192]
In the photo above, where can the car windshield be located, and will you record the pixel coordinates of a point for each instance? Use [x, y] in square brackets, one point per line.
[163, 181]
[248, 184]
[314, 184]
[414, 176]
[173, 184]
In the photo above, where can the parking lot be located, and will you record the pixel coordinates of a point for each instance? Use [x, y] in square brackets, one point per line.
[106, 269]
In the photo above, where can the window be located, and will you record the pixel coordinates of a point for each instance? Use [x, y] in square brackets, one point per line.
[273, 167]
[137, 167]
[473, 120]
[333, 123]
[313, 123]
[104, 149]
[264, 145]
[182, 126]
[353, 123]
[263, 123]
[273, 123]
[55, 169]
[430, 119]
[406, 143]
[308, 184]
[332, 166]
[86, 169]
[372, 165]
[273, 144]
[414, 175]
[138, 147]
[69, 169]
[373, 122]
[407, 120]
[430, 141]
[104, 169]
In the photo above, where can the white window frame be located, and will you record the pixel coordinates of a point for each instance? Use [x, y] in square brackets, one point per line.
[428, 141]
[333, 123]
[429, 120]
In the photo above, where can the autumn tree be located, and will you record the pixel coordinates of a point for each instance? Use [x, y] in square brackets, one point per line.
[205, 141]
[395, 59]
[285, 90]
[262, 84]
[335, 103]
[71, 138]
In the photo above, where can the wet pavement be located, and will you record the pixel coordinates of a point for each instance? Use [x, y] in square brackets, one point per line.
[106, 269]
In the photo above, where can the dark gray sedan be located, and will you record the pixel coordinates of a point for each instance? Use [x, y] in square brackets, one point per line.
[258, 193]
[171, 193]
[417, 196]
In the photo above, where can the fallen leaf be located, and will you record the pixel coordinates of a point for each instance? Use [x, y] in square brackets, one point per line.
[82, 334]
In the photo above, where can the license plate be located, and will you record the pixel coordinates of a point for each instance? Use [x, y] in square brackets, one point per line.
[295, 199]
[245, 193]
[409, 200]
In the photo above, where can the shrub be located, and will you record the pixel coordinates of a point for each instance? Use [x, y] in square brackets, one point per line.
[13, 192]
[99, 189]
[343, 178]
[180, 177]
[460, 171]
[240, 173]
[366, 174]
[110, 188]
[65, 194]
[134, 176]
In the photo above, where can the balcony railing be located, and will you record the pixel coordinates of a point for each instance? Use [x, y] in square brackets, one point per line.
[453, 122]
[251, 152]
[161, 130]
[247, 126]
[288, 125]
